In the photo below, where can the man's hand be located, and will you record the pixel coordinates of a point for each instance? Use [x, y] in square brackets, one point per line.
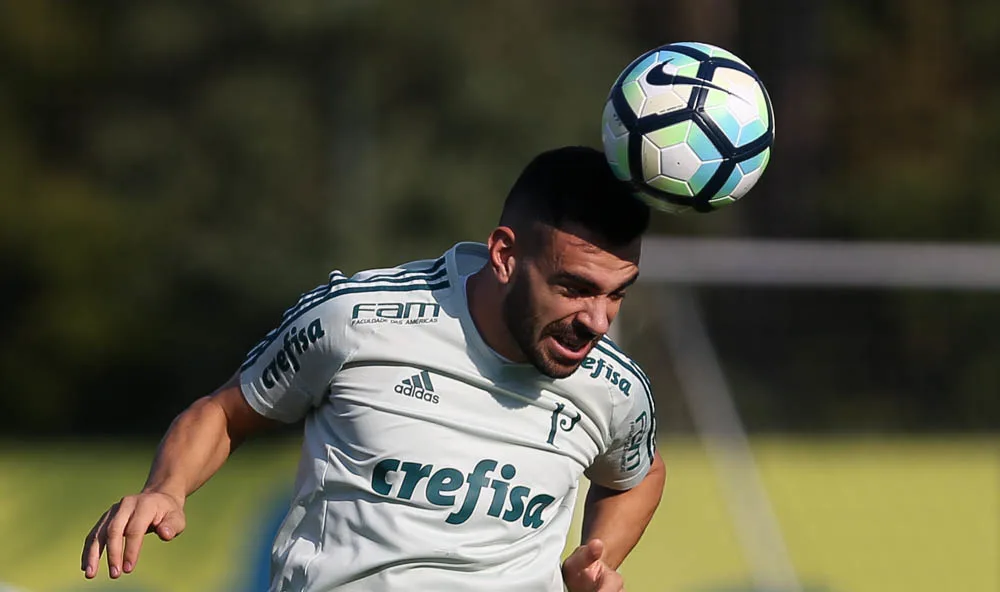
[195, 446]
[122, 528]
[583, 570]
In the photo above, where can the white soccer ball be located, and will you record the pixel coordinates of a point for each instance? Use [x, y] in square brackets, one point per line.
[690, 125]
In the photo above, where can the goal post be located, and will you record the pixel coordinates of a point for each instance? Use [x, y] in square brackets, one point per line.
[676, 265]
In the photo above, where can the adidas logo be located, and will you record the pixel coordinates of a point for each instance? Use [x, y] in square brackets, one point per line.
[418, 386]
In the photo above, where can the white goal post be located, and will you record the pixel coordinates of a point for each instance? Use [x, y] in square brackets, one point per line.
[677, 264]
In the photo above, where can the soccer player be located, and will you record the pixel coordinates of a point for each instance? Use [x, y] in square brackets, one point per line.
[451, 407]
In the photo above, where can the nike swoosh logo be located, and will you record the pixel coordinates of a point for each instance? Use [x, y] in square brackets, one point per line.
[657, 77]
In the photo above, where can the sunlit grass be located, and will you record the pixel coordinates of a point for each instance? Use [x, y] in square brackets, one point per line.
[857, 516]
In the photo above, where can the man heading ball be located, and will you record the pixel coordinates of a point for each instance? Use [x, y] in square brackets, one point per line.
[450, 407]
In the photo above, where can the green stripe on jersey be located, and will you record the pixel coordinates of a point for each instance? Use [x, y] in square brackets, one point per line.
[644, 380]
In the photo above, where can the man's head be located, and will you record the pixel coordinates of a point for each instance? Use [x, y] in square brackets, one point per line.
[566, 249]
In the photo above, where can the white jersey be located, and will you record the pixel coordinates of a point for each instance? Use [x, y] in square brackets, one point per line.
[429, 462]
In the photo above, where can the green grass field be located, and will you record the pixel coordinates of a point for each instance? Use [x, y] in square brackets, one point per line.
[862, 515]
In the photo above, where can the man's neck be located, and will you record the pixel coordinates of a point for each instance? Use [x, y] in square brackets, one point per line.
[486, 309]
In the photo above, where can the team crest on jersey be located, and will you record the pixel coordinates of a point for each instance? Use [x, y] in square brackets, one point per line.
[561, 420]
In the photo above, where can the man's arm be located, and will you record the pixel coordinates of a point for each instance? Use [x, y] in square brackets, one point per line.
[613, 522]
[618, 518]
[195, 446]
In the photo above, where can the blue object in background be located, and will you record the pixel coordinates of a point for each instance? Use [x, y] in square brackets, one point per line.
[259, 574]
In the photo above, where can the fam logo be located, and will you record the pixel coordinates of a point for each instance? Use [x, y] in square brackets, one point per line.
[610, 374]
[399, 313]
[449, 487]
[286, 361]
[632, 455]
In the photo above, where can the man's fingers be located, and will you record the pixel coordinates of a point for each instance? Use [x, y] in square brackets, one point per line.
[595, 570]
[583, 569]
[596, 549]
[611, 581]
[122, 529]
[135, 530]
[93, 545]
[116, 535]
[584, 556]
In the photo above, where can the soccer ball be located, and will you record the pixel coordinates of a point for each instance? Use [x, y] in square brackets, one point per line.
[690, 126]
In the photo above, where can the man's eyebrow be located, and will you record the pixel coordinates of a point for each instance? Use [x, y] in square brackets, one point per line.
[570, 277]
[628, 282]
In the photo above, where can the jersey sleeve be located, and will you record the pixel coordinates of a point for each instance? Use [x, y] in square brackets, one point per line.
[633, 441]
[288, 373]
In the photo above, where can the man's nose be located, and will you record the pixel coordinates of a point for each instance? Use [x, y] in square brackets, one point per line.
[595, 316]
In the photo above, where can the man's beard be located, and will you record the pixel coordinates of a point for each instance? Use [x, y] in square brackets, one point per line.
[519, 316]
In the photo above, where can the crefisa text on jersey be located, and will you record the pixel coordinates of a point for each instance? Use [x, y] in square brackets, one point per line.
[610, 374]
[294, 343]
[518, 501]
[400, 313]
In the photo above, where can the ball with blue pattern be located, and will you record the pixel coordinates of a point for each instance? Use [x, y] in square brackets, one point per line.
[690, 125]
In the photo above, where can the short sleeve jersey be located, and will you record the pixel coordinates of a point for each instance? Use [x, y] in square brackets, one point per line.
[429, 462]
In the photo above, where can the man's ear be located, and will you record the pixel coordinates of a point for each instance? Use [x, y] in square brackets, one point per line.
[502, 258]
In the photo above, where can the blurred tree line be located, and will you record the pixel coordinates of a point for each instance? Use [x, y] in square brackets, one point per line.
[174, 173]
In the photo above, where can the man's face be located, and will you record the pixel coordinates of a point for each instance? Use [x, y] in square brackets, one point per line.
[564, 295]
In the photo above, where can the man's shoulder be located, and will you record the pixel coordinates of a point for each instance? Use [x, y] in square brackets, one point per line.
[342, 297]
[420, 268]
[609, 364]
[395, 292]
[413, 281]
[422, 275]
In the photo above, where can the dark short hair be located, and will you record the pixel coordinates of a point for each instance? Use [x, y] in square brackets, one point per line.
[575, 185]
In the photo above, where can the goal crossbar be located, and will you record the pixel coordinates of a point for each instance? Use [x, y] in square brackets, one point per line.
[820, 263]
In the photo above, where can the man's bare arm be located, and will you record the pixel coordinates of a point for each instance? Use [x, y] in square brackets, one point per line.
[618, 518]
[613, 522]
[200, 440]
[195, 446]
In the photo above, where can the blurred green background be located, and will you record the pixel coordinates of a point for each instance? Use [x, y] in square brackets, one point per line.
[173, 174]
[858, 515]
